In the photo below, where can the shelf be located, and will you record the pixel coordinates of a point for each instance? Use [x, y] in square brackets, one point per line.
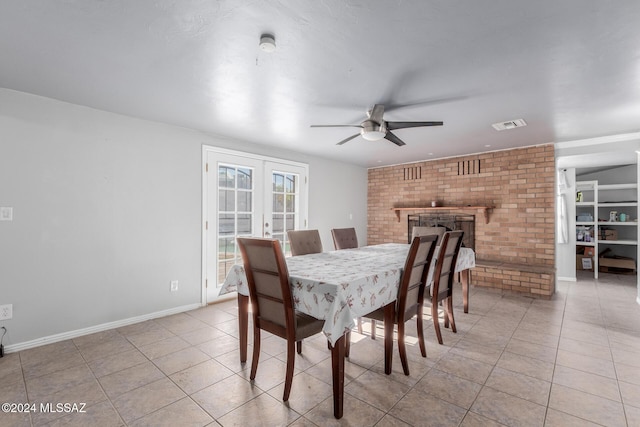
[586, 223]
[617, 204]
[627, 223]
[617, 186]
[618, 242]
[578, 243]
[585, 203]
[483, 209]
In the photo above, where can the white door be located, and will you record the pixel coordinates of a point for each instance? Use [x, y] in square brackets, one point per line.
[246, 195]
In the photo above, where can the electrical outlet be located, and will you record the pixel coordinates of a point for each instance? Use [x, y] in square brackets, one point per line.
[174, 285]
[6, 311]
[6, 213]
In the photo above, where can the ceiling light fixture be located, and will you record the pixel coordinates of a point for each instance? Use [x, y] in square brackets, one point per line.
[372, 131]
[267, 43]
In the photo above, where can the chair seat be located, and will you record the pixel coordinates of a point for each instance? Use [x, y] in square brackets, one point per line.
[307, 326]
[379, 314]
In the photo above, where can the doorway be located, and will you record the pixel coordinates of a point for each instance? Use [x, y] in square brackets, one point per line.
[246, 195]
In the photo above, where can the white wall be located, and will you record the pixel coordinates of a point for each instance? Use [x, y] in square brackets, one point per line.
[107, 211]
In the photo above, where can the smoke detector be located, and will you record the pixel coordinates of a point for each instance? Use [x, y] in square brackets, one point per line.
[511, 124]
[267, 43]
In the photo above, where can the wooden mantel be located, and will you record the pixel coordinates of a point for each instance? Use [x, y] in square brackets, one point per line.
[483, 209]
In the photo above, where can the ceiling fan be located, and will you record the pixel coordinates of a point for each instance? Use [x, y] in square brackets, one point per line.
[375, 127]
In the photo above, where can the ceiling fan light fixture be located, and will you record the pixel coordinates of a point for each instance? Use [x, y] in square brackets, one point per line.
[372, 131]
[373, 135]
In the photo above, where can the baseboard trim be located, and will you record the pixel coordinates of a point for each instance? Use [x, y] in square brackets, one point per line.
[97, 328]
[567, 279]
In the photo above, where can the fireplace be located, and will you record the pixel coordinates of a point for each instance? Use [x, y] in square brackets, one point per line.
[466, 223]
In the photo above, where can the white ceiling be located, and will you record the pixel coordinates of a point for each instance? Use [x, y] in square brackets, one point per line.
[570, 68]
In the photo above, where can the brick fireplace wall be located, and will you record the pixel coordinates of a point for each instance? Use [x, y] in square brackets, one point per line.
[518, 243]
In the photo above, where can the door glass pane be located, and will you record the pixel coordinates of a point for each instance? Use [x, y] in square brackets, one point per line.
[226, 248]
[291, 202]
[245, 178]
[244, 224]
[244, 201]
[291, 183]
[290, 222]
[226, 225]
[278, 203]
[278, 182]
[226, 177]
[226, 200]
[278, 223]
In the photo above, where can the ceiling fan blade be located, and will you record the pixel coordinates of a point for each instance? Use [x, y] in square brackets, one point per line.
[376, 113]
[336, 126]
[348, 139]
[424, 102]
[404, 125]
[391, 137]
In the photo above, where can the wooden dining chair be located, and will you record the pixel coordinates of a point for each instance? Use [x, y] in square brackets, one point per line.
[304, 242]
[272, 304]
[344, 238]
[427, 231]
[410, 301]
[442, 288]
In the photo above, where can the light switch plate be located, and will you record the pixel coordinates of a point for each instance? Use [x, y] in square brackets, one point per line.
[6, 311]
[6, 213]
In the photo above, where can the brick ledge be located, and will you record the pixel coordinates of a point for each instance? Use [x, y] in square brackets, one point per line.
[526, 268]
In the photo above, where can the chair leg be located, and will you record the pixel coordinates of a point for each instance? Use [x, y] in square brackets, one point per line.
[419, 325]
[450, 314]
[389, 317]
[299, 347]
[288, 378]
[446, 317]
[402, 349]
[256, 352]
[347, 344]
[436, 322]
[359, 325]
[465, 278]
[373, 329]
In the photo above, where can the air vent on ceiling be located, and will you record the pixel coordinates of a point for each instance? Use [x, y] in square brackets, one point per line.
[511, 124]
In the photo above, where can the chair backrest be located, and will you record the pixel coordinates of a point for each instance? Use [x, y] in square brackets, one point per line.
[414, 276]
[304, 242]
[446, 263]
[268, 280]
[344, 238]
[428, 231]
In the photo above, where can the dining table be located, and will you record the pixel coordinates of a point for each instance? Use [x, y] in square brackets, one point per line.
[338, 287]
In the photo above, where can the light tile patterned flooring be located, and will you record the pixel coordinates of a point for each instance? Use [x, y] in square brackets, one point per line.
[516, 361]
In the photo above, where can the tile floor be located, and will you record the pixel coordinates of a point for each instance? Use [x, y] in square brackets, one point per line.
[515, 361]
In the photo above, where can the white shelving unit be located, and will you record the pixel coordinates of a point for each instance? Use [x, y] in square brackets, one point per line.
[598, 201]
[588, 206]
[622, 198]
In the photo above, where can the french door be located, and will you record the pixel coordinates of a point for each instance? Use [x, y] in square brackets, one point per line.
[245, 195]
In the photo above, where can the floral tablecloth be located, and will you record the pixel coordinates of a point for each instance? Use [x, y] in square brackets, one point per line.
[340, 286]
